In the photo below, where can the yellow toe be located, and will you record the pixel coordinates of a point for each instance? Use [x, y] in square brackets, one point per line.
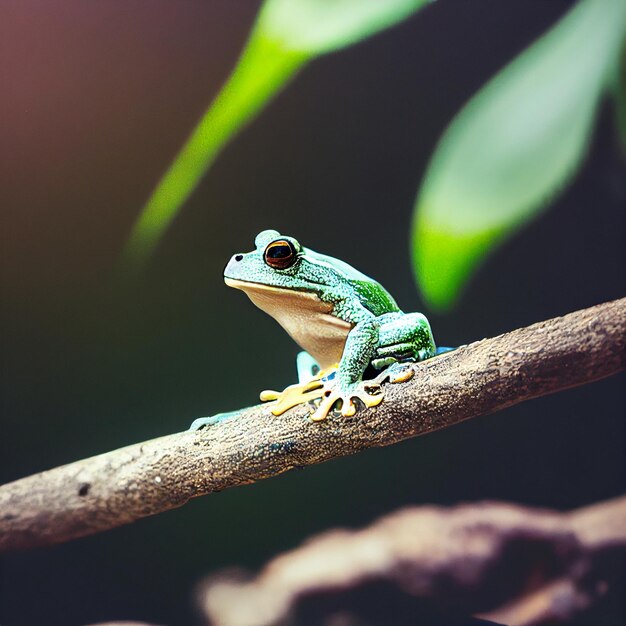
[348, 409]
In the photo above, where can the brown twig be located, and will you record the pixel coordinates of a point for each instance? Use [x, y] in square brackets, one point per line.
[124, 485]
[519, 566]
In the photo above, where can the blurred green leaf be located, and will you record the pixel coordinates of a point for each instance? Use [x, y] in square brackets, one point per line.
[287, 34]
[516, 144]
[320, 26]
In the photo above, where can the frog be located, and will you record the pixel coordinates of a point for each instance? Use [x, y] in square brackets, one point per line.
[347, 324]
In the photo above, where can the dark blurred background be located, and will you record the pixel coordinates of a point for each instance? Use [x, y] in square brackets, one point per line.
[96, 98]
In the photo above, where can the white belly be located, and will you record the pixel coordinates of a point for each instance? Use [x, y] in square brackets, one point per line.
[304, 316]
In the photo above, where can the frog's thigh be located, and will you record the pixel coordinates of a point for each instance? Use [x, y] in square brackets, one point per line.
[409, 331]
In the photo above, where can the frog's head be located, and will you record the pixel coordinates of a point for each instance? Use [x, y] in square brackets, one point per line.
[281, 262]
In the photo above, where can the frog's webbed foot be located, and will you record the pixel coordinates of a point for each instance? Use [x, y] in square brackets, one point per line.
[367, 392]
[323, 392]
[300, 393]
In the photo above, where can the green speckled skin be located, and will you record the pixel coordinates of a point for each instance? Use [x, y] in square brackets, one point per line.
[381, 334]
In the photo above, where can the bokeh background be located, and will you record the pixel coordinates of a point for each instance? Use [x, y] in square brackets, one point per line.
[96, 98]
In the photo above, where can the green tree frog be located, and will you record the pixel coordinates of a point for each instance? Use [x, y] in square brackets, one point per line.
[347, 324]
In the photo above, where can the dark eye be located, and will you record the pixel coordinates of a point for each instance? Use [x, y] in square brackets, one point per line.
[280, 254]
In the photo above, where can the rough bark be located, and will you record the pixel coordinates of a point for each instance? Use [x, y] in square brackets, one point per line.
[124, 485]
[515, 565]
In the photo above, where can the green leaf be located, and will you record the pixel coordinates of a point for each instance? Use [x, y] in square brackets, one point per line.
[320, 26]
[287, 34]
[513, 147]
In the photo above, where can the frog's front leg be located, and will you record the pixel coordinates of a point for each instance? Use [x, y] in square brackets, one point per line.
[341, 382]
[346, 383]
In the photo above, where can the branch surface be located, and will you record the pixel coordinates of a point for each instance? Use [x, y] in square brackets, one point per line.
[516, 565]
[124, 485]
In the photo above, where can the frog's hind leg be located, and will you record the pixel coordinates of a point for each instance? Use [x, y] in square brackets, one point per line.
[404, 341]
[404, 338]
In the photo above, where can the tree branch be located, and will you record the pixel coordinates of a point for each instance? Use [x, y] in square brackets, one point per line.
[523, 566]
[124, 485]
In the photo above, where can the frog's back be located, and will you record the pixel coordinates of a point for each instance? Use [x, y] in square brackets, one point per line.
[371, 294]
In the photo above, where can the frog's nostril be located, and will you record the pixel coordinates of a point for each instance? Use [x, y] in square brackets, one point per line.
[238, 257]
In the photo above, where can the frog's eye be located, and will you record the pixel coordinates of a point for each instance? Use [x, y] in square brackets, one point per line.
[280, 254]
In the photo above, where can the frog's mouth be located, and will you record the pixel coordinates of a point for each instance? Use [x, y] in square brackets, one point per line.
[260, 293]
